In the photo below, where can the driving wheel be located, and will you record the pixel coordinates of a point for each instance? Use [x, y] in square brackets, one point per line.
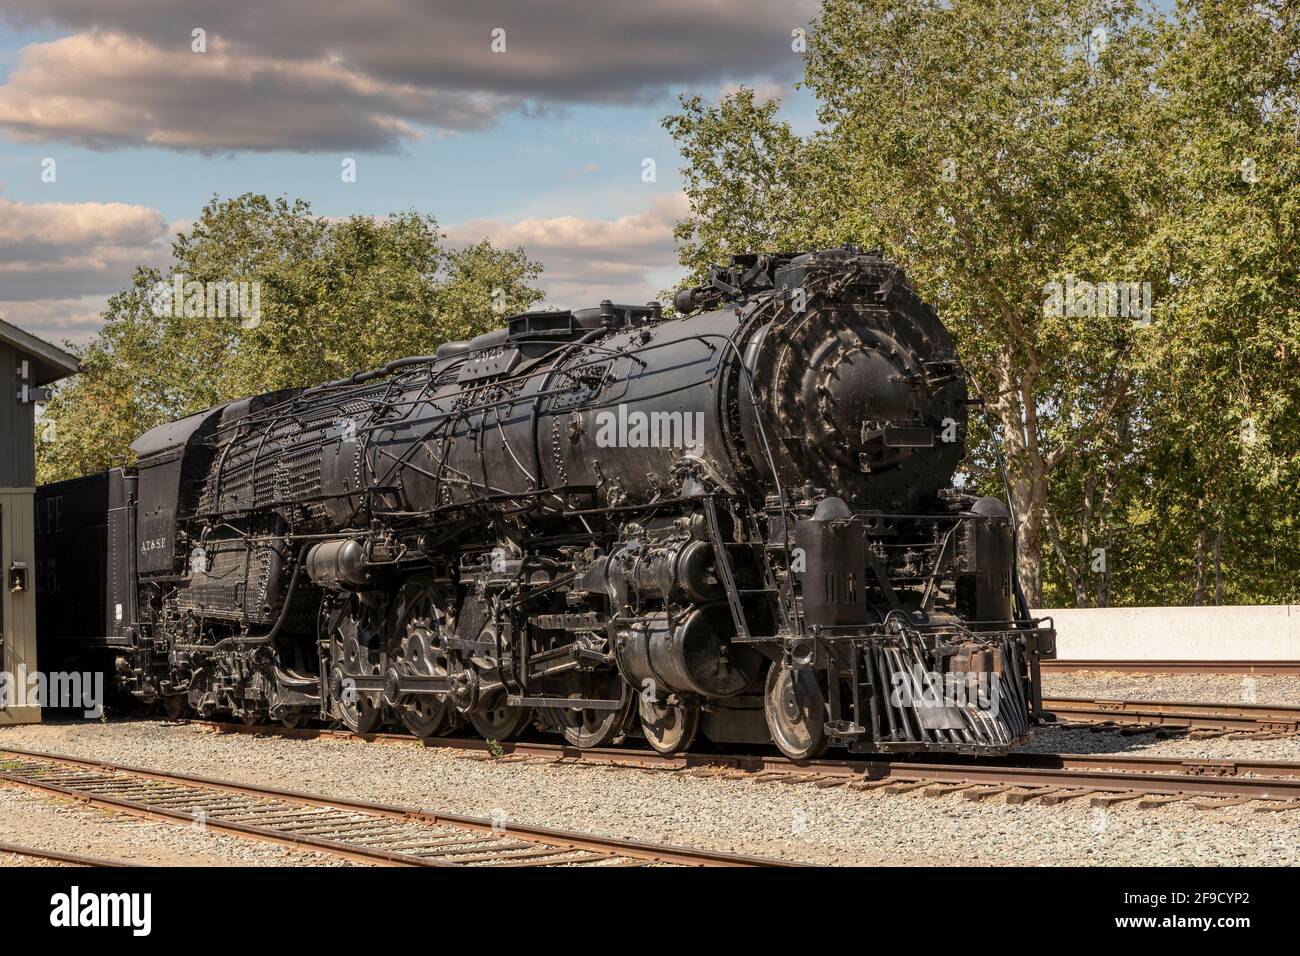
[355, 650]
[420, 627]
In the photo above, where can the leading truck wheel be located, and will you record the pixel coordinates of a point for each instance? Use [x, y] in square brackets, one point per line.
[591, 728]
[425, 717]
[669, 728]
[497, 720]
[588, 727]
[795, 711]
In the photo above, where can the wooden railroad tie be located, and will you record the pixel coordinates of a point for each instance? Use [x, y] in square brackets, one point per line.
[1053, 797]
[906, 786]
[943, 789]
[1110, 799]
[1160, 799]
[1213, 803]
[1019, 795]
[1276, 806]
[984, 791]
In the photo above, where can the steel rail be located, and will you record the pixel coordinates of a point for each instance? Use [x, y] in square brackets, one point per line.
[1258, 668]
[336, 825]
[1111, 773]
[58, 856]
[1253, 718]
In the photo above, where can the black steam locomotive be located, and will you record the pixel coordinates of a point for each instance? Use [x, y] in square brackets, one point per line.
[739, 522]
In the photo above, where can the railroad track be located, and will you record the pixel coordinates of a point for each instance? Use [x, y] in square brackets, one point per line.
[58, 856]
[1048, 778]
[1185, 716]
[1257, 668]
[362, 832]
[1258, 719]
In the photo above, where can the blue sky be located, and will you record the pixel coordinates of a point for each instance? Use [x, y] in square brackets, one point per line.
[583, 161]
[541, 145]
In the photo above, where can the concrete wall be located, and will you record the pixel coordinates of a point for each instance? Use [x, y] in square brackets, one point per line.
[1262, 632]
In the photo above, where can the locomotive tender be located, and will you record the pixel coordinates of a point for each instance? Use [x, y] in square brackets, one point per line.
[739, 522]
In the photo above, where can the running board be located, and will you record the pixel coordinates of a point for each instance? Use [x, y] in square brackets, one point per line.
[563, 703]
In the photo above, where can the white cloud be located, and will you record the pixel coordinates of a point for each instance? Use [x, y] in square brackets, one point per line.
[106, 89]
[762, 91]
[627, 259]
[307, 76]
[59, 262]
[58, 320]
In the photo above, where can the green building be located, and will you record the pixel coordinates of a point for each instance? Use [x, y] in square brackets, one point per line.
[27, 365]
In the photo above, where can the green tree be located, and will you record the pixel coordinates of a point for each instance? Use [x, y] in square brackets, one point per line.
[994, 149]
[334, 298]
[1225, 421]
[1192, 497]
[945, 130]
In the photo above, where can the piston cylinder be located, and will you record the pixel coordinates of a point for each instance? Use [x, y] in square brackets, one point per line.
[682, 569]
[690, 655]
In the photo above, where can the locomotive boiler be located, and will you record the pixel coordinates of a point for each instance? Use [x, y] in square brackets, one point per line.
[738, 521]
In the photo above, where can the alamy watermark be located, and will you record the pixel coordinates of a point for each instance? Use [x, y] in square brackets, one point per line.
[73, 909]
[921, 689]
[1081, 299]
[58, 689]
[190, 299]
[626, 428]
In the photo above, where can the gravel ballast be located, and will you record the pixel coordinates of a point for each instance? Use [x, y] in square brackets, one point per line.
[1204, 688]
[36, 821]
[800, 822]
[1081, 740]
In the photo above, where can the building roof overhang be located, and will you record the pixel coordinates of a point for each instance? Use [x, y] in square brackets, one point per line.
[49, 362]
